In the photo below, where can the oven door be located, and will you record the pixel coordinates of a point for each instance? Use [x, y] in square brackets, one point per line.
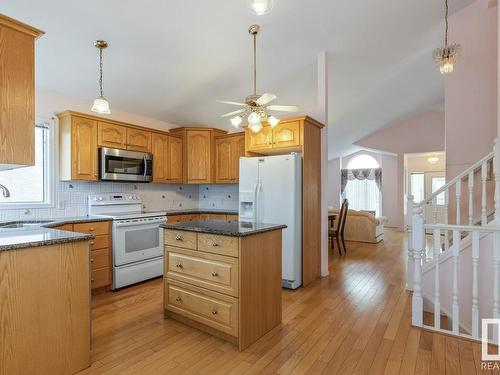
[136, 240]
[122, 165]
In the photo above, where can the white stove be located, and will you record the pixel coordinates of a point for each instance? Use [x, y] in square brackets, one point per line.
[137, 238]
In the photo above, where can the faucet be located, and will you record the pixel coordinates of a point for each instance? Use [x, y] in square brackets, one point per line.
[5, 191]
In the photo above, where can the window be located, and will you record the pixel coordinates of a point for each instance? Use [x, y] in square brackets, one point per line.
[363, 194]
[417, 186]
[31, 186]
[436, 184]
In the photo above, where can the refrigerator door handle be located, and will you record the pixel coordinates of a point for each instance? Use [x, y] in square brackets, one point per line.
[258, 202]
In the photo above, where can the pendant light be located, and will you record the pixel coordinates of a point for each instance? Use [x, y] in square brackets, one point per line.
[260, 7]
[446, 56]
[101, 105]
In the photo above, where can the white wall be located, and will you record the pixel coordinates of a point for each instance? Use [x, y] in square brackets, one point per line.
[333, 191]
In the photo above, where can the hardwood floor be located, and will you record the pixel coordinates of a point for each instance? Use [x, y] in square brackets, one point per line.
[356, 321]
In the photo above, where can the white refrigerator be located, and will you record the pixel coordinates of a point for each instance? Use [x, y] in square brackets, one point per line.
[271, 192]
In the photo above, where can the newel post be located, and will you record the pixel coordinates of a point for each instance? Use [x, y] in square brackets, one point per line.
[410, 263]
[418, 249]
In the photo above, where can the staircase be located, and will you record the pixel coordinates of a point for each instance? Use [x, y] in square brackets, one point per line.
[454, 268]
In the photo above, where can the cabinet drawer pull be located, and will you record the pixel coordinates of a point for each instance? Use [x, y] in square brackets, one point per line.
[178, 299]
[215, 243]
[214, 312]
[92, 279]
[91, 260]
[215, 274]
[178, 237]
[91, 229]
[179, 265]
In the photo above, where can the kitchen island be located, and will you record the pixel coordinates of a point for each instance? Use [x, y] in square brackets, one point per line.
[44, 301]
[224, 277]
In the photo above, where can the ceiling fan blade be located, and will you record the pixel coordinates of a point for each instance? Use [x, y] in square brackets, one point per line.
[233, 113]
[283, 108]
[232, 103]
[265, 98]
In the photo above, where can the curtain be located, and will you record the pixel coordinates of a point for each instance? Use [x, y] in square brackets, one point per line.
[362, 188]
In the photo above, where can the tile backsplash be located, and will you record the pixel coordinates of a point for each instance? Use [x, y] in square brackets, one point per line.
[71, 198]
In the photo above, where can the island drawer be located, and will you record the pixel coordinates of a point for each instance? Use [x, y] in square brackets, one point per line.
[214, 272]
[100, 242]
[99, 258]
[100, 278]
[180, 238]
[223, 245]
[212, 309]
[95, 228]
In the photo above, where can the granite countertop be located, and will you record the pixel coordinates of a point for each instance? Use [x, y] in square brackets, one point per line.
[39, 232]
[223, 228]
[194, 211]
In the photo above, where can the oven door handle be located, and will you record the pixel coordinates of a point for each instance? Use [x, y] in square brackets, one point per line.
[137, 223]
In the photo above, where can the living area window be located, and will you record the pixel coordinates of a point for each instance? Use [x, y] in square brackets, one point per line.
[361, 183]
[31, 186]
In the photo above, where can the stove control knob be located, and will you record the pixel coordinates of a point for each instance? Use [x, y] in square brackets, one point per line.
[129, 197]
[101, 198]
[95, 198]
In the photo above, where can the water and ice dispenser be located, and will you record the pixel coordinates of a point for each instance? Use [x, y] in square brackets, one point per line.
[247, 205]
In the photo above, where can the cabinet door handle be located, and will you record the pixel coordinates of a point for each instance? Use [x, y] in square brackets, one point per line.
[91, 229]
[214, 312]
[92, 279]
[91, 260]
[92, 242]
[178, 299]
[215, 274]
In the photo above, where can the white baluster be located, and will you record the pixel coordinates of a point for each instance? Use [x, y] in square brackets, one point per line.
[470, 184]
[496, 281]
[458, 194]
[434, 210]
[475, 286]
[454, 305]
[410, 265]
[484, 176]
[446, 233]
[437, 302]
[418, 246]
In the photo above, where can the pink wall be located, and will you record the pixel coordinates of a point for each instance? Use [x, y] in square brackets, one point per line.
[424, 132]
[471, 91]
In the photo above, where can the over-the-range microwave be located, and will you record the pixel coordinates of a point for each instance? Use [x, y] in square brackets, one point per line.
[123, 165]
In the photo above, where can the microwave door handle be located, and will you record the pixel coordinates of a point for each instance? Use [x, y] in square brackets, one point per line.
[145, 167]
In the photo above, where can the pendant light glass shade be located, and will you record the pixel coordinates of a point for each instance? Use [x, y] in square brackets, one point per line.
[255, 127]
[236, 121]
[260, 7]
[445, 57]
[273, 121]
[101, 106]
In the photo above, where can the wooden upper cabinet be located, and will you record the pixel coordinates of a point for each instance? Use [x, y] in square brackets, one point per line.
[262, 140]
[174, 163]
[223, 160]
[199, 156]
[287, 134]
[83, 149]
[112, 135]
[17, 93]
[228, 150]
[138, 140]
[160, 157]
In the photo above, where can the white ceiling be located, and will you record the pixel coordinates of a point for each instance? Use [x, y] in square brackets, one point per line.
[170, 60]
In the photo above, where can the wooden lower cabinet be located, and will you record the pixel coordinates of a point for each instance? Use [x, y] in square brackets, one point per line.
[201, 217]
[227, 286]
[45, 309]
[100, 251]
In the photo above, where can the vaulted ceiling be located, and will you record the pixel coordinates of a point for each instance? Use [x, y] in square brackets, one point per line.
[170, 60]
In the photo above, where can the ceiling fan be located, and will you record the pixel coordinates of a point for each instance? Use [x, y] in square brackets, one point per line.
[256, 106]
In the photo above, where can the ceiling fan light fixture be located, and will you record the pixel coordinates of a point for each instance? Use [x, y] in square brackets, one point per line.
[261, 7]
[255, 127]
[236, 121]
[433, 159]
[273, 121]
[101, 106]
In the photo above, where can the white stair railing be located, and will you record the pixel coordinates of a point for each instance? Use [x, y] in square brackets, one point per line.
[421, 251]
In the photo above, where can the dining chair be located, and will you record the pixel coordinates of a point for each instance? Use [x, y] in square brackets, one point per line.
[337, 232]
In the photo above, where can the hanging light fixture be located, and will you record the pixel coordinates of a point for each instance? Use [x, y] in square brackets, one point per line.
[256, 106]
[260, 7]
[445, 57]
[433, 159]
[101, 105]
